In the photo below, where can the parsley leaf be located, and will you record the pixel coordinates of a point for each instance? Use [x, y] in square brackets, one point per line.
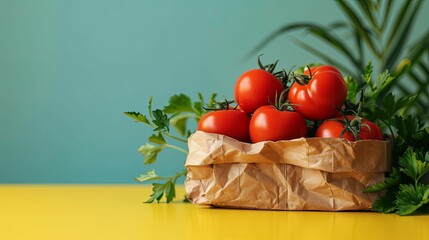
[179, 103]
[385, 204]
[180, 122]
[411, 197]
[182, 109]
[138, 117]
[179, 110]
[149, 152]
[161, 120]
[412, 165]
[405, 193]
[393, 180]
[158, 139]
[159, 190]
[151, 175]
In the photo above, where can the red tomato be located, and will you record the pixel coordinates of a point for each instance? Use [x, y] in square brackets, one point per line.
[270, 124]
[322, 97]
[256, 88]
[374, 130]
[332, 129]
[232, 123]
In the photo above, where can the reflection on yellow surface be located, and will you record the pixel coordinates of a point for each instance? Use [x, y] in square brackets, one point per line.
[118, 212]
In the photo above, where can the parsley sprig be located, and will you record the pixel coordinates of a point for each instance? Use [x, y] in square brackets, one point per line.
[406, 190]
[176, 114]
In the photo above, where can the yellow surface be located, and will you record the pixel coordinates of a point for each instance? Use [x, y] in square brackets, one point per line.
[118, 212]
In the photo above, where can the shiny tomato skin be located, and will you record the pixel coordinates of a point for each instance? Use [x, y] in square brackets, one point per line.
[231, 123]
[256, 88]
[322, 97]
[324, 68]
[375, 131]
[269, 124]
[332, 129]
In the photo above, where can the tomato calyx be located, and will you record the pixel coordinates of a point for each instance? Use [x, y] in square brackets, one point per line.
[353, 126]
[282, 75]
[222, 105]
[281, 103]
[303, 79]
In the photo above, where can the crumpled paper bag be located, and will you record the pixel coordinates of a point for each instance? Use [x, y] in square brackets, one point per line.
[324, 174]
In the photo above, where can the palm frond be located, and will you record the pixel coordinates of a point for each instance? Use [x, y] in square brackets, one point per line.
[358, 24]
[319, 31]
[419, 47]
[386, 14]
[399, 20]
[396, 49]
[367, 9]
[325, 57]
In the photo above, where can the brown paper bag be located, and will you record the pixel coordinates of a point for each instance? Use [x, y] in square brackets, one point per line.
[302, 174]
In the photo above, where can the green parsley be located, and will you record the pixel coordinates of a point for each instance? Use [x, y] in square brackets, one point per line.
[405, 190]
[174, 115]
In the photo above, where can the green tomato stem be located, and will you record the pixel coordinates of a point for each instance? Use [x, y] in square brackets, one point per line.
[390, 129]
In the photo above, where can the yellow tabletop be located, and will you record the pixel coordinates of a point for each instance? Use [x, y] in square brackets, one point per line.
[118, 212]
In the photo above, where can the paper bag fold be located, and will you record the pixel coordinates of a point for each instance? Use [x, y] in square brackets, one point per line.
[302, 174]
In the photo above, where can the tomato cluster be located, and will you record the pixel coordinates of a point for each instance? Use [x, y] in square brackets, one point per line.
[269, 110]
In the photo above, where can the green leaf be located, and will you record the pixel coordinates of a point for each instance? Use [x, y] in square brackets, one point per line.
[358, 23]
[336, 42]
[159, 190]
[401, 37]
[352, 89]
[180, 124]
[212, 100]
[399, 21]
[412, 165]
[410, 132]
[383, 80]
[411, 197]
[408, 126]
[161, 120]
[179, 103]
[385, 204]
[403, 102]
[366, 8]
[393, 180]
[325, 57]
[150, 152]
[318, 31]
[158, 139]
[420, 46]
[151, 175]
[138, 117]
[149, 107]
[389, 106]
[198, 109]
[170, 192]
[368, 74]
[387, 11]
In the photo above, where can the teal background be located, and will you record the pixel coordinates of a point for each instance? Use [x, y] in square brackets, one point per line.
[68, 69]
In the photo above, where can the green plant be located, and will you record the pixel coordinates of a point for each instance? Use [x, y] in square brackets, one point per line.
[405, 191]
[378, 31]
[176, 114]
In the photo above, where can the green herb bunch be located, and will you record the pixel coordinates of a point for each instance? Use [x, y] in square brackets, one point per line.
[406, 191]
[177, 114]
